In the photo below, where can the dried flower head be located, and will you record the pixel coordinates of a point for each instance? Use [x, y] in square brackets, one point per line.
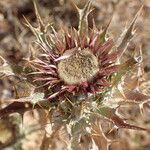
[76, 63]
[78, 68]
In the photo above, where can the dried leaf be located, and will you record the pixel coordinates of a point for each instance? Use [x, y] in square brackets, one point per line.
[41, 30]
[104, 32]
[16, 107]
[22, 105]
[5, 68]
[40, 21]
[76, 129]
[123, 70]
[83, 18]
[136, 95]
[8, 132]
[127, 35]
[111, 115]
[99, 137]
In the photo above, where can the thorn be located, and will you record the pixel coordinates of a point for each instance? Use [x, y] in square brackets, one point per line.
[94, 25]
[131, 26]
[41, 23]
[21, 124]
[104, 32]
[83, 18]
[121, 90]
[103, 134]
[26, 20]
[31, 57]
[27, 23]
[15, 91]
[110, 130]
[47, 114]
[127, 35]
[141, 108]
[72, 104]
[74, 5]
[3, 60]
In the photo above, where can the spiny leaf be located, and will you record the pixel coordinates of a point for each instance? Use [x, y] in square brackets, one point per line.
[41, 30]
[16, 107]
[110, 114]
[25, 104]
[5, 68]
[127, 35]
[123, 70]
[77, 130]
[42, 38]
[34, 30]
[22, 88]
[40, 21]
[99, 137]
[42, 27]
[136, 95]
[104, 32]
[138, 55]
[83, 18]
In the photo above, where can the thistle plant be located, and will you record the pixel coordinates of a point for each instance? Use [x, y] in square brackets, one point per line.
[76, 75]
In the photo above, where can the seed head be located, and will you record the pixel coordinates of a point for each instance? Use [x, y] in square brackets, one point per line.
[80, 67]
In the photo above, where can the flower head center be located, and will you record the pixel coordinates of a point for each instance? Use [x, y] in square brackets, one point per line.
[80, 67]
